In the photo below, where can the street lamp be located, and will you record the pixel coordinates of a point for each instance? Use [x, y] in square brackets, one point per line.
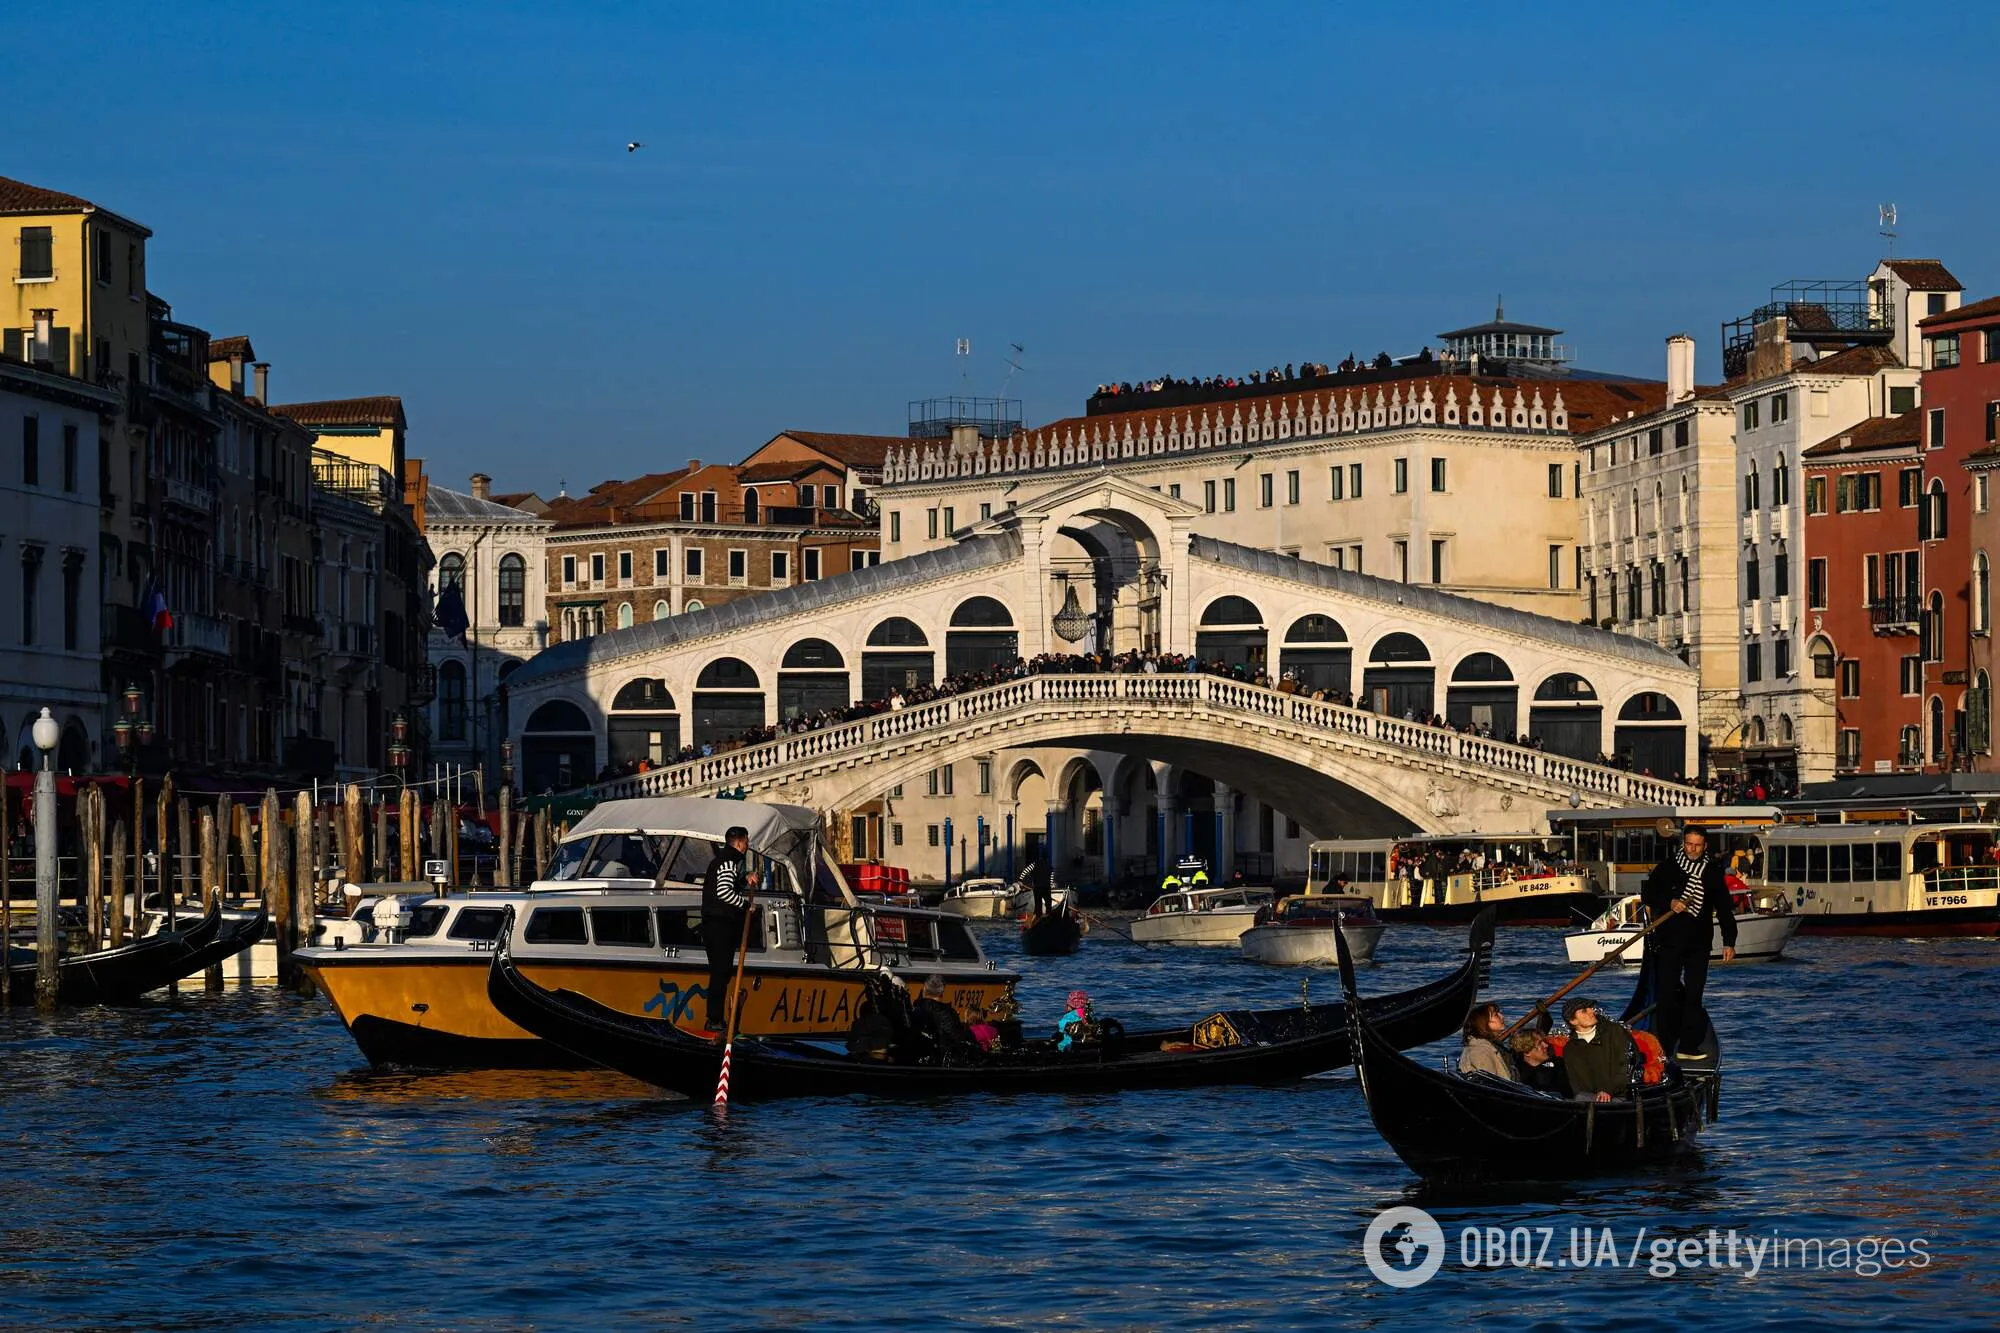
[46, 734]
[399, 747]
[507, 764]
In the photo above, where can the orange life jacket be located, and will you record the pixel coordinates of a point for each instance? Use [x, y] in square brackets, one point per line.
[1655, 1055]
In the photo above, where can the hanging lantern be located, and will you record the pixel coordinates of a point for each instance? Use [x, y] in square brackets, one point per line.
[1072, 622]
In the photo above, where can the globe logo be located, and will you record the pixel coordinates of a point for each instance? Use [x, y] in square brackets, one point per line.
[1404, 1247]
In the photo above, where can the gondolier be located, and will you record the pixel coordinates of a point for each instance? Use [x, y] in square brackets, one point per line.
[725, 898]
[1690, 884]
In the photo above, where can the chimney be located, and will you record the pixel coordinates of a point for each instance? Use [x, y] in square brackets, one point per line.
[694, 465]
[482, 486]
[263, 369]
[964, 440]
[1680, 368]
[236, 374]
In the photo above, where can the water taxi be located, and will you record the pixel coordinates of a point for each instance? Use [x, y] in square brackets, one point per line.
[979, 899]
[1765, 924]
[1446, 879]
[1200, 916]
[619, 920]
[1301, 928]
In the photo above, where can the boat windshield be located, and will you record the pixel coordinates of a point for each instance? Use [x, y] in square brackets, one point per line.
[653, 857]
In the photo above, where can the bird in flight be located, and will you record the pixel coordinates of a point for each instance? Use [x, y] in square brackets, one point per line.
[634, 146]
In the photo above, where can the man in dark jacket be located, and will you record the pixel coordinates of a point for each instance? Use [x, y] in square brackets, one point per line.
[1691, 886]
[725, 899]
[1597, 1058]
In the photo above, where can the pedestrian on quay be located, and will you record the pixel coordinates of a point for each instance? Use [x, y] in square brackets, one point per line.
[725, 900]
[1692, 886]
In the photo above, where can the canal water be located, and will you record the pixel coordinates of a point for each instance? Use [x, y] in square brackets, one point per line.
[229, 1161]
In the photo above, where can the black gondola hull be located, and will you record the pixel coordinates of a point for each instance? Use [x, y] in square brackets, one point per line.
[1052, 935]
[1290, 1044]
[123, 975]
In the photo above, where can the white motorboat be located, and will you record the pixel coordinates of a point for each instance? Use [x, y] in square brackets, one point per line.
[1765, 924]
[1301, 928]
[979, 899]
[1200, 916]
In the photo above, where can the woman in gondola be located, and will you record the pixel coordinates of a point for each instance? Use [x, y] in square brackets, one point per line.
[1482, 1053]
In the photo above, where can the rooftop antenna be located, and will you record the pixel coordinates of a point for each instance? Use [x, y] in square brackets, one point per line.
[1885, 218]
[1014, 367]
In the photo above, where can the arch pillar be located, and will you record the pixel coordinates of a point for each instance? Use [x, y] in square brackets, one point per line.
[1055, 833]
[1009, 810]
[1225, 833]
[1165, 803]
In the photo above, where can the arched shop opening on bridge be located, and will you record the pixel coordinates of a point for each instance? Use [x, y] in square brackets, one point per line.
[1232, 632]
[897, 657]
[1400, 680]
[1567, 718]
[812, 679]
[728, 701]
[558, 748]
[982, 636]
[643, 726]
[1651, 738]
[1316, 653]
[1482, 695]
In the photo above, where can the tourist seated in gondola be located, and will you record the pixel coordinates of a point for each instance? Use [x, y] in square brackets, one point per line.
[1597, 1058]
[937, 1033]
[1482, 1052]
[1077, 1026]
[879, 1020]
[1536, 1063]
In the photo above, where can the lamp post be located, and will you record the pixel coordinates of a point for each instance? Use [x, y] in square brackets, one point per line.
[947, 851]
[46, 733]
[507, 763]
[134, 732]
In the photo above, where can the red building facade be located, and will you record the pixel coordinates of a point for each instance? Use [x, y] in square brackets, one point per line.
[1865, 590]
[1961, 393]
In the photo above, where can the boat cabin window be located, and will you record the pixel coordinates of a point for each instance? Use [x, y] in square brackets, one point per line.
[955, 941]
[621, 927]
[1360, 867]
[1923, 856]
[555, 925]
[1888, 860]
[425, 920]
[680, 927]
[1838, 864]
[477, 923]
[1816, 863]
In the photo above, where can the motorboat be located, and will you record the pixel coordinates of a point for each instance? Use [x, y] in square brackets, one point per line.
[619, 919]
[1530, 879]
[1301, 927]
[1898, 878]
[1765, 924]
[1200, 916]
[987, 899]
[1227, 1047]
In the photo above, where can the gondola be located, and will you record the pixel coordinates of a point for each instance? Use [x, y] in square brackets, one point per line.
[122, 975]
[1454, 1128]
[1054, 932]
[1233, 1047]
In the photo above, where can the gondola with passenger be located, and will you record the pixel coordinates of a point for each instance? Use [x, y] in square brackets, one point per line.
[1231, 1047]
[1456, 1127]
[1053, 933]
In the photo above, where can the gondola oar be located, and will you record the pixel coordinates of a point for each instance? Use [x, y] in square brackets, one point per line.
[735, 999]
[1542, 1006]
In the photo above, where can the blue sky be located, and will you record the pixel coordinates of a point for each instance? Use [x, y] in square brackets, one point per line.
[435, 201]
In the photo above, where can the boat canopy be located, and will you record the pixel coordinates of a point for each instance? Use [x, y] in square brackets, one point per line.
[781, 832]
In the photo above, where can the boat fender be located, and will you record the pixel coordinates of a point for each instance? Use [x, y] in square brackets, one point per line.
[1651, 1051]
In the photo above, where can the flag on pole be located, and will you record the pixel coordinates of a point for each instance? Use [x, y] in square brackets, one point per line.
[155, 607]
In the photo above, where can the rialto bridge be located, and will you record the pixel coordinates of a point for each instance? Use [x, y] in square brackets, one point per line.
[1107, 563]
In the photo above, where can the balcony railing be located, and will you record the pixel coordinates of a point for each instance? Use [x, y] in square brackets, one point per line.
[1894, 615]
[344, 476]
[188, 494]
[193, 632]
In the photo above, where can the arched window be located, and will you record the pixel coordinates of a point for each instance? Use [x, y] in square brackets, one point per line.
[728, 701]
[624, 615]
[1979, 713]
[660, 609]
[727, 673]
[451, 701]
[897, 632]
[1649, 707]
[1822, 654]
[1785, 732]
[1398, 648]
[1316, 629]
[981, 613]
[1481, 667]
[1232, 611]
[513, 591]
[1937, 730]
[451, 572]
[646, 694]
[750, 504]
[1756, 731]
[1933, 525]
[981, 637]
[813, 655]
[1982, 594]
[691, 605]
[643, 726]
[812, 678]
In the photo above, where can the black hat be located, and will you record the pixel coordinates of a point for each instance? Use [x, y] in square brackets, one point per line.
[736, 831]
[1580, 1002]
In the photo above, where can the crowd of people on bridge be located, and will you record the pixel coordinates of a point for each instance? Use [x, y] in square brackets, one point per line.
[1131, 662]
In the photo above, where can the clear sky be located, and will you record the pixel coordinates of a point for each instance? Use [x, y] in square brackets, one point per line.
[436, 201]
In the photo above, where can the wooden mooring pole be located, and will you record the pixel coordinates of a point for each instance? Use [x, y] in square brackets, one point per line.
[212, 849]
[118, 884]
[304, 896]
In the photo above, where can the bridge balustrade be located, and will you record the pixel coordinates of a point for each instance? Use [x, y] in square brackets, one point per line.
[1032, 694]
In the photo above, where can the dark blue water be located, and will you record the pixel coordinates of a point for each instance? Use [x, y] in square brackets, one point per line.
[229, 1161]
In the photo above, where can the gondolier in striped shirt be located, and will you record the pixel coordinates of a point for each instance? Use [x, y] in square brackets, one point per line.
[725, 898]
[1691, 885]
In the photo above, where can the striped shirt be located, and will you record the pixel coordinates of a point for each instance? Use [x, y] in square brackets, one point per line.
[724, 877]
